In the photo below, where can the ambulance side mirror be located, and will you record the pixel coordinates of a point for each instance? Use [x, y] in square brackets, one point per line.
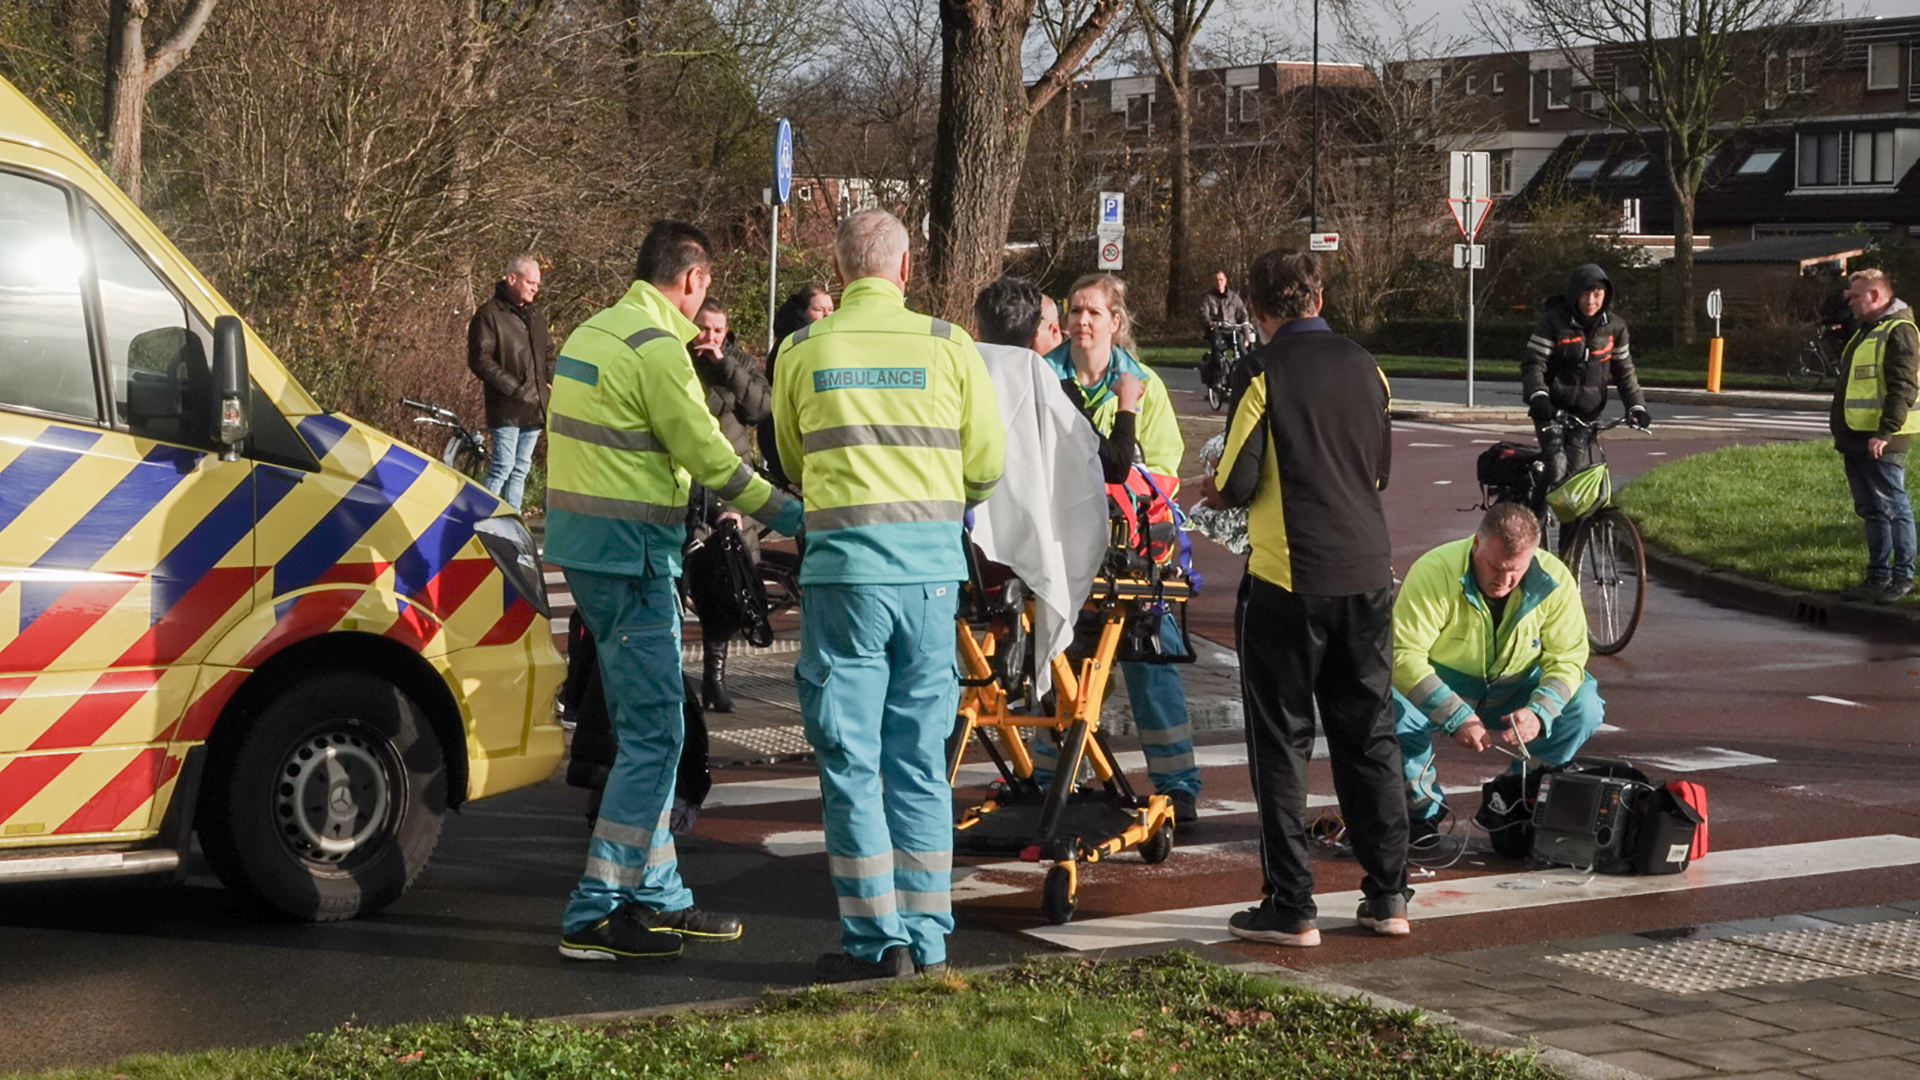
[232, 386]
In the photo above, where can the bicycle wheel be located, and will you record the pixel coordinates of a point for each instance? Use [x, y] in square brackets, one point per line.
[1807, 370]
[1215, 398]
[464, 457]
[1609, 563]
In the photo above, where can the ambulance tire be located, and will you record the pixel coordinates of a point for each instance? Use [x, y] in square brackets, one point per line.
[329, 804]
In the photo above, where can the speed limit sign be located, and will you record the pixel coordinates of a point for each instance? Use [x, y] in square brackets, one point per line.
[1110, 253]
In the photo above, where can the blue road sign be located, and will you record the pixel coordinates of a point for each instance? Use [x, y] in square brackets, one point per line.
[783, 162]
[1110, 208]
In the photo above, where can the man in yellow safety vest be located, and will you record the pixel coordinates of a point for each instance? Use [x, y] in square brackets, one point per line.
[629, 430]
[1873, 420]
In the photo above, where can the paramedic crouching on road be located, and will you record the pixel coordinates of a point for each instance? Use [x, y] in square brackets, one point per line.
[890, 424]
[629, 425]
[1489, 646]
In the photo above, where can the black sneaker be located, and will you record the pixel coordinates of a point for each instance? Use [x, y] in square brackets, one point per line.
[1186, 809]
[1259, 923]
[1894, 590]
[623, 935]
[839, 967]
[1423, 831]
[1869, 590]
[694, 923]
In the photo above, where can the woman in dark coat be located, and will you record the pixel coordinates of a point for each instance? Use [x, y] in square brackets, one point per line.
[810, 302]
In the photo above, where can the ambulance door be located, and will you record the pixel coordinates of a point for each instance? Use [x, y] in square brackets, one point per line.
[125, 542]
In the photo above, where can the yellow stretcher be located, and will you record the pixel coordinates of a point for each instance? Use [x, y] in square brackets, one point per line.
[1063, 823]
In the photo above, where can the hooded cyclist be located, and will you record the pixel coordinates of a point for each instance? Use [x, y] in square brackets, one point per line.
[1579, 347]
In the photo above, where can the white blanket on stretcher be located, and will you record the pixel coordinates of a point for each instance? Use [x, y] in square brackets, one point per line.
[1047, 519]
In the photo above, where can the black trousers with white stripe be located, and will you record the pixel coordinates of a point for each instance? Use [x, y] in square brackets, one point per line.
[1296, 651]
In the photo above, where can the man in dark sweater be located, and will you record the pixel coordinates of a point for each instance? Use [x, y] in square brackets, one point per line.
[1307, 453]
[509, 349]
[1873, 420]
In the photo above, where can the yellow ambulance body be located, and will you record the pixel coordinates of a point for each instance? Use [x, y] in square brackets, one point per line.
[223, 609]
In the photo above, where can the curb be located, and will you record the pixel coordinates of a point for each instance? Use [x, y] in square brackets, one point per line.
[1824, 610]
[1752, 399]
[1436, 410]
[1566, 1062]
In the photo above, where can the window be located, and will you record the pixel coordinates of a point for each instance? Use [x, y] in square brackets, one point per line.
[1630, 168]
[1500, 83]
[1140, 112]
[46, 363]
[1559, 87]
[805, 193]
[1089, 118]
[1799, 71]
[1473, 84]
[1820, 159]
[1242, 106]
[162, 384]
[1500, 171]
[1759, 162]
[1883, 66]
[1586, 169]
[1873, 157]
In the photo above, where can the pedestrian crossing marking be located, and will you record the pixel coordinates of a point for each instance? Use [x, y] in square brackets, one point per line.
[1509, 892]
[1703, 759]
[1834, 700]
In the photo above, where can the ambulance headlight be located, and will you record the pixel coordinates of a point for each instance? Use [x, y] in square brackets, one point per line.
[511, 545]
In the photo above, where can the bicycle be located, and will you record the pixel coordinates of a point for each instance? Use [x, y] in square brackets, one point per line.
[1816, 365]
[1227, 343]
[465, 450]
[1597, 540]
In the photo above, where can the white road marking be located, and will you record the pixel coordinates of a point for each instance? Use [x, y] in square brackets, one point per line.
[1703, 759]
[1441, 483]
[1431, 445]
[1486, 442]
[1834, 700]
[1656, 453]
[1509, 892]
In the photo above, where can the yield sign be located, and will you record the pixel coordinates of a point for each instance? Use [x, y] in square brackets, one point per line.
[1469, 214]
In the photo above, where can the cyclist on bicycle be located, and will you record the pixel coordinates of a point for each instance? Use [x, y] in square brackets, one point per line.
[1579, 347]
[1226, 326]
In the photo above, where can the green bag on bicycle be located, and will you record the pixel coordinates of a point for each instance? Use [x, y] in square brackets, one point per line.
[1582, 493]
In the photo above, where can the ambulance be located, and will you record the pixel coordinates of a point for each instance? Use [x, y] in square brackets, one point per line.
[225, 611]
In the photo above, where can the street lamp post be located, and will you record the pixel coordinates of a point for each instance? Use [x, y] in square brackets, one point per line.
[1313, 189]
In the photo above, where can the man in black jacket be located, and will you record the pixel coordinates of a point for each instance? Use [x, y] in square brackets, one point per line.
[1308, 454]
[509, 349]
[1579, 347]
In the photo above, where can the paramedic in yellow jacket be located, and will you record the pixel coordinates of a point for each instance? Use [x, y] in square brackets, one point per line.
[888, 421]
[1489, 646]
[1128, 405]
[629, 429]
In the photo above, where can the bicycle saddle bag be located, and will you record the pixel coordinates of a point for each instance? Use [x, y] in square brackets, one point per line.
[1580, 494]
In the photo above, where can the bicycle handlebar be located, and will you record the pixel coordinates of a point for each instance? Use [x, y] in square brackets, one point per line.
[435, 411]
[1571, 420]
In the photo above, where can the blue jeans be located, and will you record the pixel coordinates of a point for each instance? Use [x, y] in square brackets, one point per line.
[1568, 733]
[879, 680]
[1879, 487]
[509, 456]
[636, 624]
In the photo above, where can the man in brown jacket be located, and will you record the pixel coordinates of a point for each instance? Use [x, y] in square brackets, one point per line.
[509, 349]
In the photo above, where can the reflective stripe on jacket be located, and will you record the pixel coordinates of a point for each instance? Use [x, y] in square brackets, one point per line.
[1156, 433]
[889, 421]
[1869, 379]
[1449, 658]
[629, 429]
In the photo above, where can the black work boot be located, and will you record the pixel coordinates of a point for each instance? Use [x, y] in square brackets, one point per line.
[713, 678]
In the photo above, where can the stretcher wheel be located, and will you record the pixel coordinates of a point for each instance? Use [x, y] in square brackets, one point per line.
[1158, 846]
[1056, 897]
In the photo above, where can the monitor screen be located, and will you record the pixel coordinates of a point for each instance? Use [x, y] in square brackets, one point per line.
[1571, 805]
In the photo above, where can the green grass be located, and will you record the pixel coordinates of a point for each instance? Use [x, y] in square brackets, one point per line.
[1164, 1016]
[1778, 513]
[1443, 367]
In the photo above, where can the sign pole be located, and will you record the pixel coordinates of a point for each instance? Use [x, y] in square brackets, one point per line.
[1470, 324]
[773, 274]
[782, 186]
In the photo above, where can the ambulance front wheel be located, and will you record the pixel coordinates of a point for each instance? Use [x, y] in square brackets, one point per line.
[328, 804]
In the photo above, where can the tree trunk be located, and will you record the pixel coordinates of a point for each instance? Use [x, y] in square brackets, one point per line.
[977, 161]
[1179, 208]
[132, 71]
[1683, 208]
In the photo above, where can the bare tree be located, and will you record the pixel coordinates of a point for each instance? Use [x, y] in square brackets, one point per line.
[132, 70]
[1680, 71]
[1386, 177]
[1170, 27]
[986, 112]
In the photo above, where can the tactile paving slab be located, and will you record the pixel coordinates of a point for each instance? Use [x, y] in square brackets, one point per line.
[1691, 967]
[765, 743]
